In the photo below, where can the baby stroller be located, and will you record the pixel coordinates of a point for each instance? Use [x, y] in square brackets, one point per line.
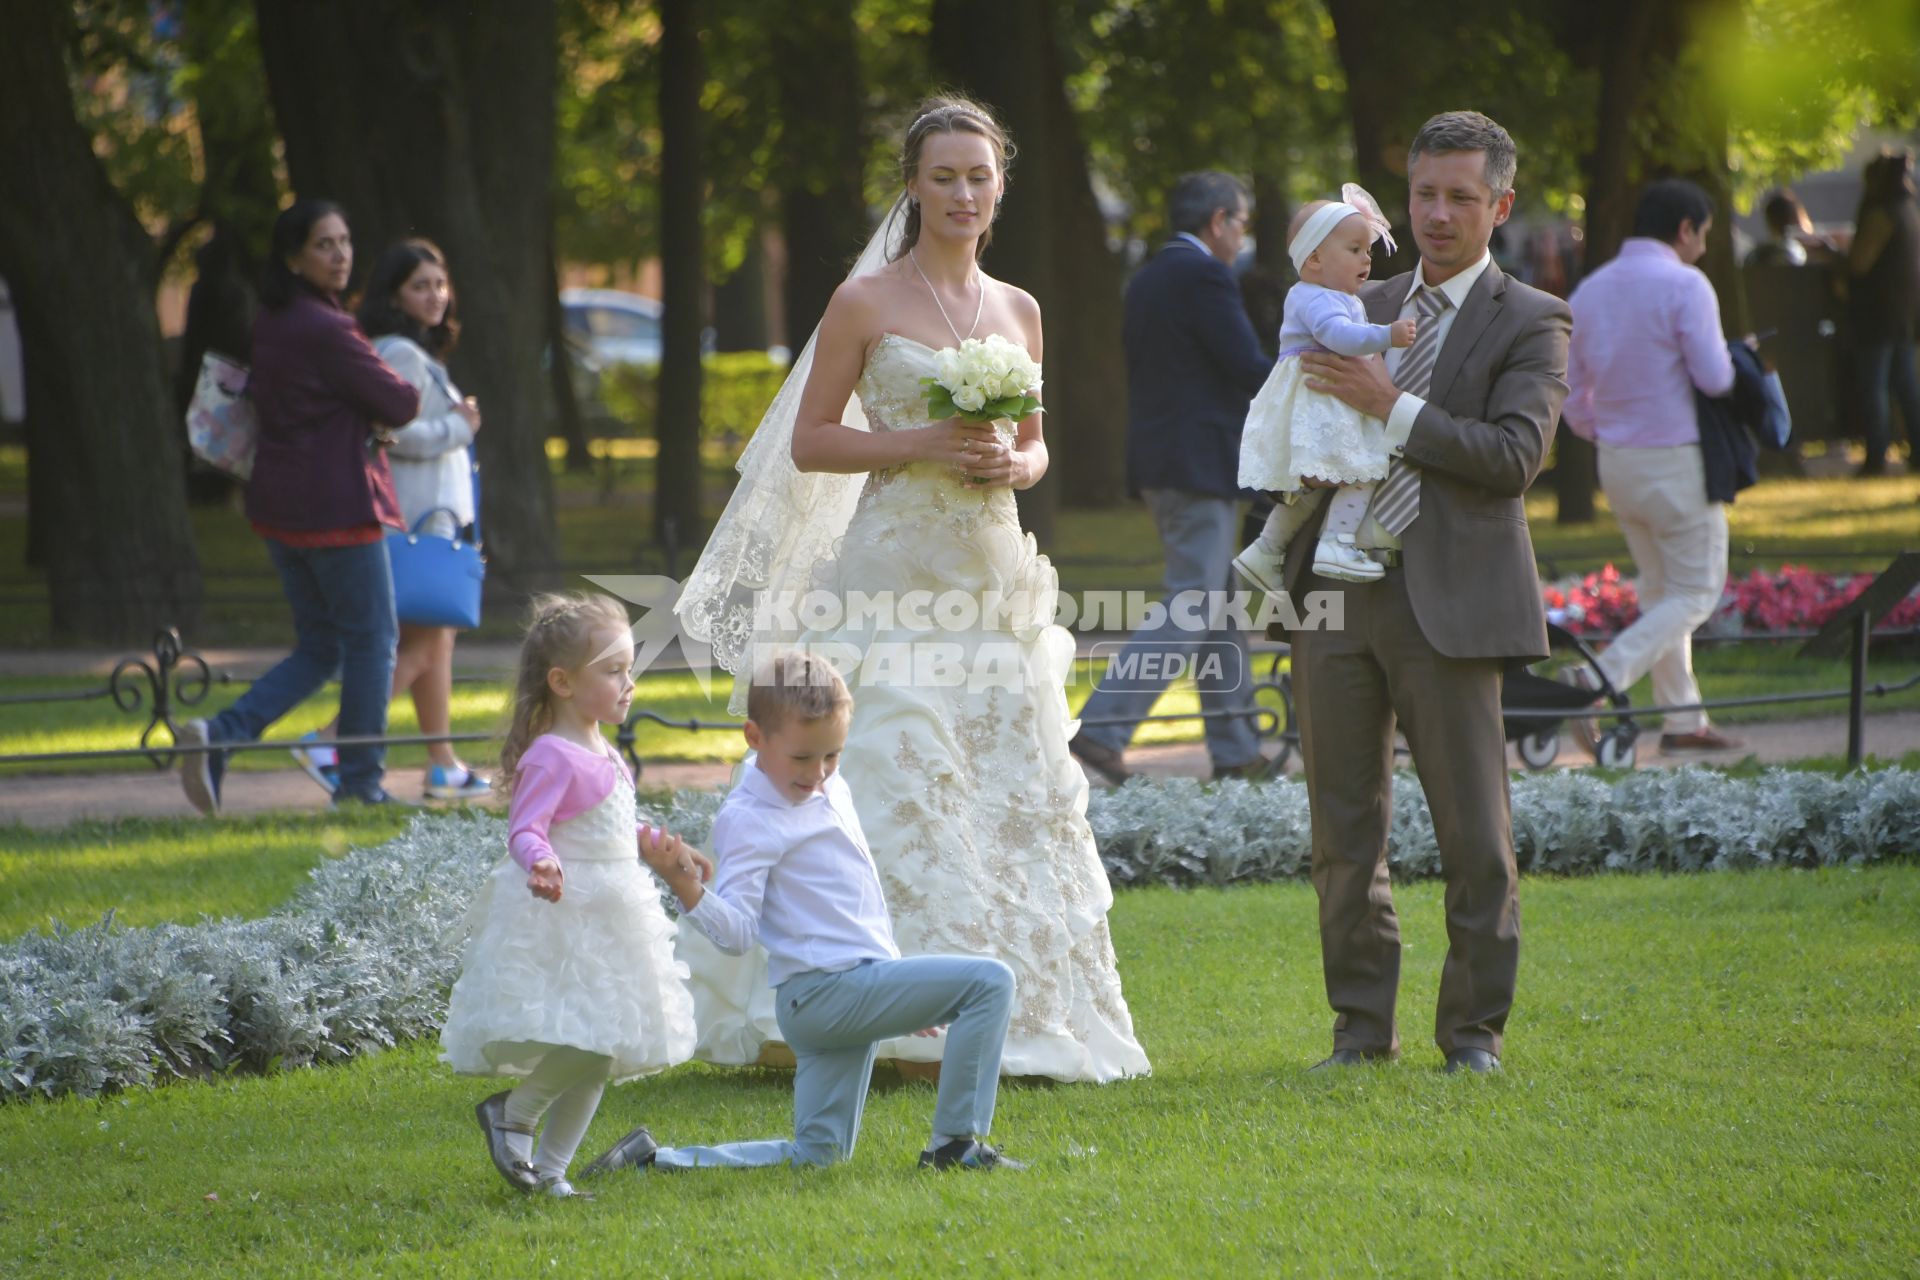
[1534, 689]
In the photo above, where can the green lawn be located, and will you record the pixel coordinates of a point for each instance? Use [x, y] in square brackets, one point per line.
[172, 870]
[1706, 1075]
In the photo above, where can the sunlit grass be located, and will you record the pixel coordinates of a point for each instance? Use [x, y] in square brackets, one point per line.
[1705, 1075]
[172, 870]
[1833, 523]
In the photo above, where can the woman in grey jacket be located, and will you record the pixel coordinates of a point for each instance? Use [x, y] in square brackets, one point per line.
[409, 313]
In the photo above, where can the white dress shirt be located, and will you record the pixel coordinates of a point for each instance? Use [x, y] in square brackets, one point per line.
[797, 878]
[1408, 406]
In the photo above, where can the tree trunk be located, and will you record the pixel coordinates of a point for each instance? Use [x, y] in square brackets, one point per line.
[740, 303]
[1087, 388]
[1379, 53]
[427, 119]
[823, 140]
[1619, 48]
[566, 406]
[677, 518]
[1271, 213]
[239, 194]
[120, 560]
[41, 529]
[1051, 241]
[992, 49]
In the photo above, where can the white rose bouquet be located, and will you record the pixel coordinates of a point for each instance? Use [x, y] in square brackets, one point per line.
[981, 380]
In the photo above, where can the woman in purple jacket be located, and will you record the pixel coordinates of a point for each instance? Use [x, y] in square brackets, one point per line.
[322, 498]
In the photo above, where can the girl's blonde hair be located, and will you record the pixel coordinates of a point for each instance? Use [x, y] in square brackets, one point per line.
[559, 632]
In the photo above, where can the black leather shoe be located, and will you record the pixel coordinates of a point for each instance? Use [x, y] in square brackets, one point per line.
[1478, 1061]
[965, 1153]
[631, 1152]
[492, 1115]
[1350, 1058]
[1105, 761]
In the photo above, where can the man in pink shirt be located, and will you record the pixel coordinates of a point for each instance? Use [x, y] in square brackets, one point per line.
[1646, 336]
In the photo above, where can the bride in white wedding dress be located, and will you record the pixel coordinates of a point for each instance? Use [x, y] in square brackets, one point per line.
[957, 760]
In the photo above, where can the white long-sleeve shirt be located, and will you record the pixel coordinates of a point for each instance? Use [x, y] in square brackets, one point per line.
[796, 878]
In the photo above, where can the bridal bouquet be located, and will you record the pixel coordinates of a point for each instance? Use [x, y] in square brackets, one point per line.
[981, 380]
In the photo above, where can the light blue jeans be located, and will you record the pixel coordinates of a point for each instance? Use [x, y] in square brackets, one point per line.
[832, 1021]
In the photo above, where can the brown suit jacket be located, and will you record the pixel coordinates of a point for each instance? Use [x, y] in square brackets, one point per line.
[1491, 411]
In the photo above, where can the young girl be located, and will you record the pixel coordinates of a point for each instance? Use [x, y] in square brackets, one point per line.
[1294, 433]
[574, 983]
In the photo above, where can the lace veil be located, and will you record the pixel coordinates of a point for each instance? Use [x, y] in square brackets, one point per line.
[781, 522]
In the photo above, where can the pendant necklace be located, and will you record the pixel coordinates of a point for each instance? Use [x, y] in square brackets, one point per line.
[943, 306]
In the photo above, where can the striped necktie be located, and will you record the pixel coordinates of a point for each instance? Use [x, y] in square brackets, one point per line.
[1397, 501]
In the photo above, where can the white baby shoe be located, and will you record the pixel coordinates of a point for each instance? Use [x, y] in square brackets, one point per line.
[1335, 556]
[1262, 566]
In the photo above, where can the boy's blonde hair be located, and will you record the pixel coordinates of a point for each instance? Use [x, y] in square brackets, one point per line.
[559, 634]
[795, 685]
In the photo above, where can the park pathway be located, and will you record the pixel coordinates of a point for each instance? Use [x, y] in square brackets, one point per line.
[54, 800]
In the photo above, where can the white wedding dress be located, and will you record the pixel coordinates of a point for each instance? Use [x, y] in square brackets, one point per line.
[958, 763]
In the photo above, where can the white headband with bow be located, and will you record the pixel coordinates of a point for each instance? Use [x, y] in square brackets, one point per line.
[1353, 199]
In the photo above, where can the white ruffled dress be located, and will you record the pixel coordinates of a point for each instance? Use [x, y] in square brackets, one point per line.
[595, 971]
[1293, 431]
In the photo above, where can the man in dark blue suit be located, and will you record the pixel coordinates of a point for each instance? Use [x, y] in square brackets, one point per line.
[1193, 363]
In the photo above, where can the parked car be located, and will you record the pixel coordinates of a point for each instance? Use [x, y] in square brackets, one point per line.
[617, 327]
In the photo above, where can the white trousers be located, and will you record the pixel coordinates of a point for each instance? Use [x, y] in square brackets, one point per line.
[1679, 541]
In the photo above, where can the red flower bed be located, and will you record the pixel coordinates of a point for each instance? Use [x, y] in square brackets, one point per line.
[1792, 598]
[1599, 602]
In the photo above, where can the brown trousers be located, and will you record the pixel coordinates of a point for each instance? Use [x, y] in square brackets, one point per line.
[1349, 686]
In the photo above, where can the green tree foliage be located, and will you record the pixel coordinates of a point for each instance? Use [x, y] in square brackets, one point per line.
[175, 101]
[1799, 77]
[1248, 86]
[607, 158]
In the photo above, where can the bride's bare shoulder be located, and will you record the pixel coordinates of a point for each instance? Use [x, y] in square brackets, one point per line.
[1022, 304]
[861, 302]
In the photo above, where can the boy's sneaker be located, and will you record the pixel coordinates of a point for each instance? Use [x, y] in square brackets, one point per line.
[201, 772]
[965, 1153]
[320, 761]
[457, 783]
[1262, 567]
[1335, 556]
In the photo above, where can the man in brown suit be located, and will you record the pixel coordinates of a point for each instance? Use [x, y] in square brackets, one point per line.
[1472, 407]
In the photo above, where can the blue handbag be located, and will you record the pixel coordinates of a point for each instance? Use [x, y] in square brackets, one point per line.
[437, 579]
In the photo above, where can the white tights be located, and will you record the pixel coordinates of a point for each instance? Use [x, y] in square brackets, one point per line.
[566, 1089]
[1345, 513]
